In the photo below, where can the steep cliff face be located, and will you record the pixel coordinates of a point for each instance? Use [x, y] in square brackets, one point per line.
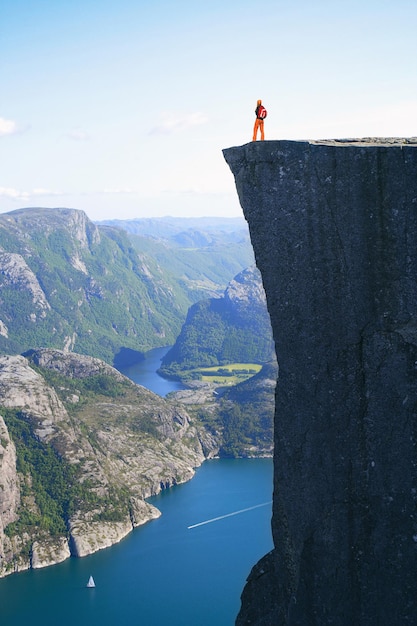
[9, 484]
[334, 229]
[81, 447]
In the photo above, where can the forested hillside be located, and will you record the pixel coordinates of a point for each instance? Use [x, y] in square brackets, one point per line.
[203, 254]
[98, 290]
[232, 329]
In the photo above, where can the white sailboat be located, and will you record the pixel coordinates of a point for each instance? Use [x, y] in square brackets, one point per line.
[91, 582]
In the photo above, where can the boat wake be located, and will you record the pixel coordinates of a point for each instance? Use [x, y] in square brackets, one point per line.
[216, 519]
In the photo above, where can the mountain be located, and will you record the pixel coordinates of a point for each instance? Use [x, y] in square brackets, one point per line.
[81, 447]
[203, 254]
[232, 329]
[69, 284]
[241, 417]
[246, 413]
[334, 228]
[181, 231]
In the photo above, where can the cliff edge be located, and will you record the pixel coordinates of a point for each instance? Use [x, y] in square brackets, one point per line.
[334, 230]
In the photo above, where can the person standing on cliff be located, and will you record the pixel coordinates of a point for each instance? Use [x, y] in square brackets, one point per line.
[260, 113]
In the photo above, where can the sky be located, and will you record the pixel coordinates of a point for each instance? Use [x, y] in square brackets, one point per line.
[121, 108]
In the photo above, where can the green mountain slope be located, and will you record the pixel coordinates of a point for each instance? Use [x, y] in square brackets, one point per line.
[234, 328]
[66, 283]
[239, 417]
[203, 254]
[246, 415]
[70, 284]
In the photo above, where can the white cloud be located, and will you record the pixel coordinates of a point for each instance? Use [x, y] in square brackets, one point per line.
[7, 127]
[39, 191]
[189, 191]
[78, 134]
[177, 123]
[15, 194]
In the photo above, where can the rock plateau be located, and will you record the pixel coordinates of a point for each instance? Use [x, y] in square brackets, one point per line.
[334, 229]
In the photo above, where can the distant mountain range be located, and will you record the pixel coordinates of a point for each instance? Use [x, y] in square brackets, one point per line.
[70, 284]
[202, 231]
[201, 254]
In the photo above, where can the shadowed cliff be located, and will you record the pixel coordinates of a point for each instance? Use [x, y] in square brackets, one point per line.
[334, 230]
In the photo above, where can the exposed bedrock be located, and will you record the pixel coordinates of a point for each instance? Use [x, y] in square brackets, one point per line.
[334, 229]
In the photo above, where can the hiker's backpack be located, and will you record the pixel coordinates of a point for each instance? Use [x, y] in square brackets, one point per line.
[262, 112]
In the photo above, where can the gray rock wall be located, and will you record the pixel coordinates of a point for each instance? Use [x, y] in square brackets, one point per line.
[334, 229]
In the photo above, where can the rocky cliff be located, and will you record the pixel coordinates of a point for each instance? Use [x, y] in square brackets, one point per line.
[81, 447]
[334, 230]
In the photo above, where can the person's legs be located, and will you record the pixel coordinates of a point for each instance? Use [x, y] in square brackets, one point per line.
[255, 129]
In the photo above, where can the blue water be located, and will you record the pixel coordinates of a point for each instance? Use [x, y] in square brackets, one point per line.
[144, 373]
[163, 573]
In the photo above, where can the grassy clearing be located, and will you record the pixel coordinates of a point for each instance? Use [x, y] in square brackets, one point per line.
[227, 374]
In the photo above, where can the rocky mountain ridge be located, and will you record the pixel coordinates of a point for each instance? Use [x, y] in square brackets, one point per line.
[72, 417]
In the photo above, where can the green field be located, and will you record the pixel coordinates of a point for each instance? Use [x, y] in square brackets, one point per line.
[226, 374]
